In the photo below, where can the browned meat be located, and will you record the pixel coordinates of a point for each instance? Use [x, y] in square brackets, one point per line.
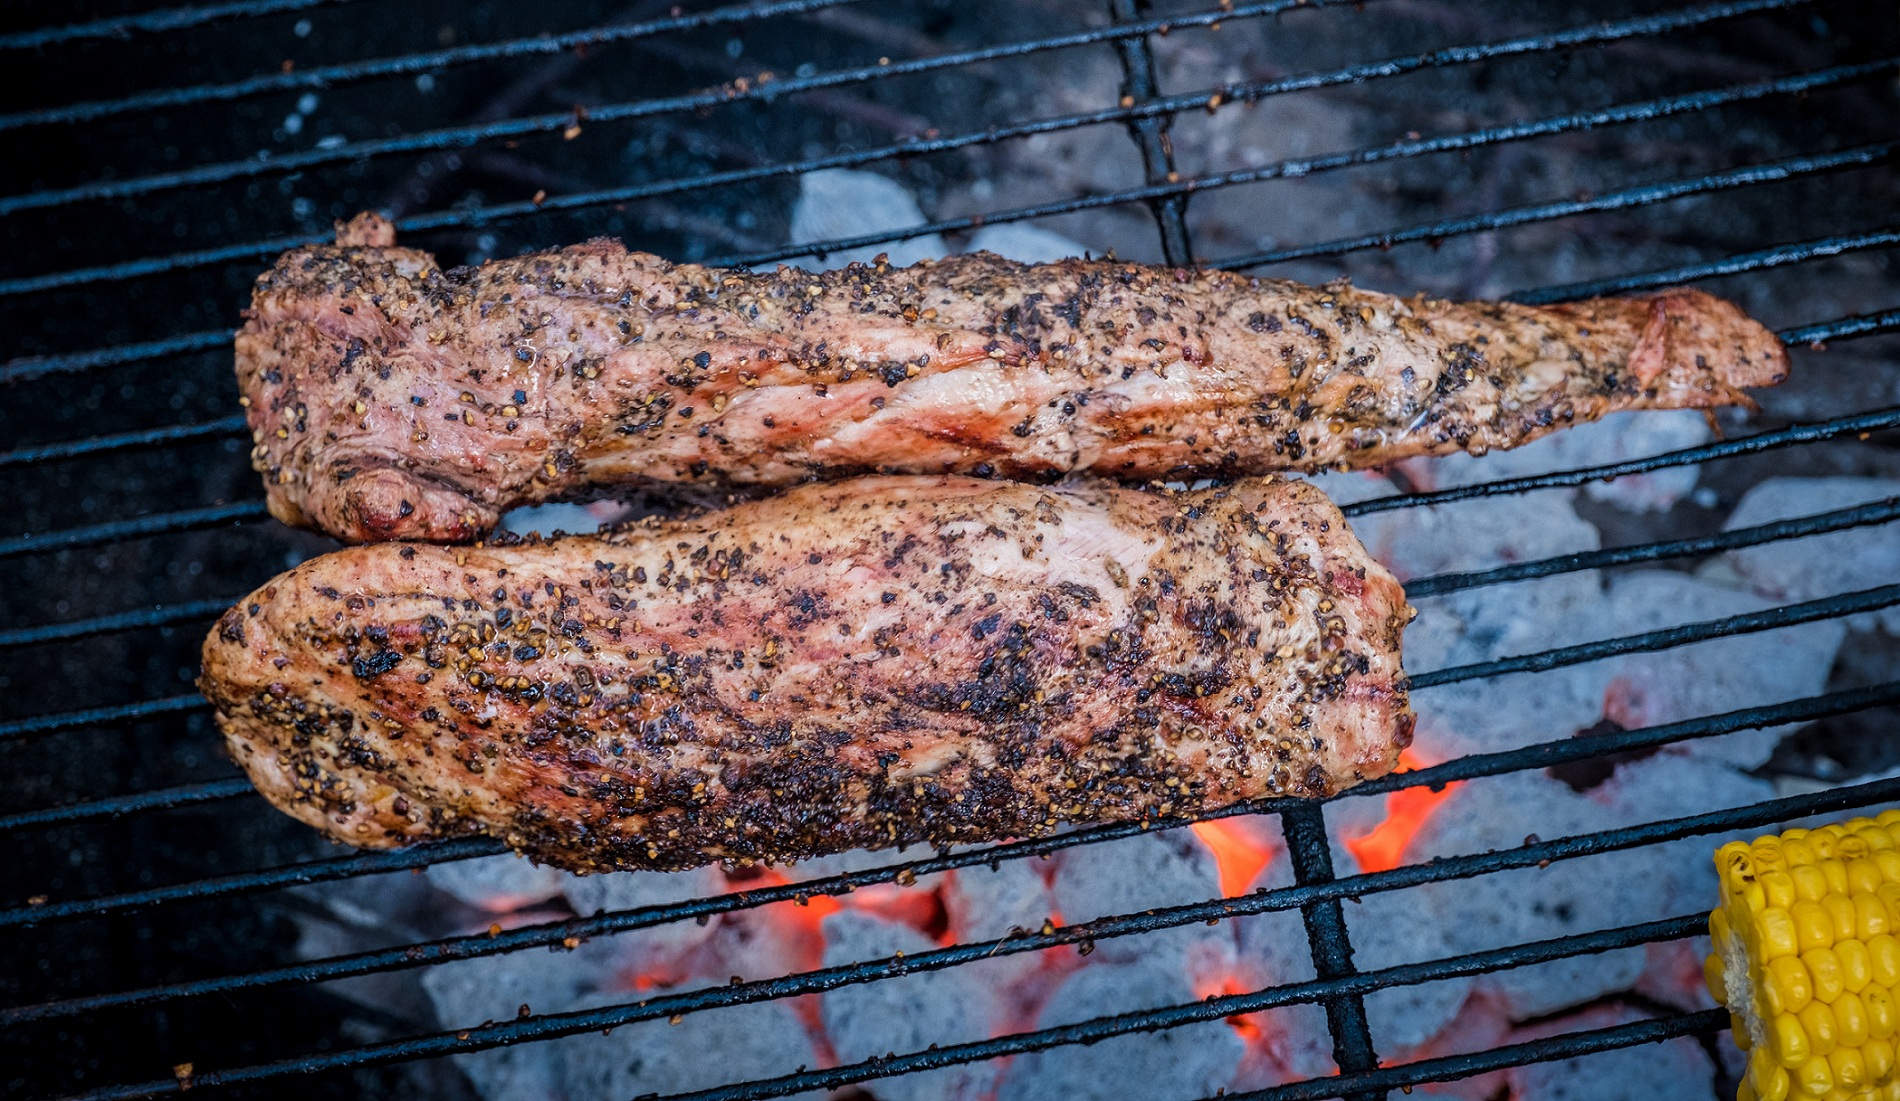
[392, 399]
[881, 662]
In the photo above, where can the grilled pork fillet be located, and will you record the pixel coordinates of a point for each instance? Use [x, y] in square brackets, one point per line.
[881, 662]
[391, 399]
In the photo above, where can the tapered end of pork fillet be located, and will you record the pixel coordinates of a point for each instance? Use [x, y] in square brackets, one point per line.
[1692, 350]
[882, 662]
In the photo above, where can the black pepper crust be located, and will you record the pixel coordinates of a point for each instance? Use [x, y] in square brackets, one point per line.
[391, 399]
[887, 661]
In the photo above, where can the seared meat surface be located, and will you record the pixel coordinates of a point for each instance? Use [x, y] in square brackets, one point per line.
[391, 399]
[894, 660]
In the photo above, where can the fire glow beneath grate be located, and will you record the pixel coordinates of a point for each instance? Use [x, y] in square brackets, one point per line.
[1523, 894]
[1384, 845]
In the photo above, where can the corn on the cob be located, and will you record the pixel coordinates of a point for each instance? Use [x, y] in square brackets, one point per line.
[1807, 960]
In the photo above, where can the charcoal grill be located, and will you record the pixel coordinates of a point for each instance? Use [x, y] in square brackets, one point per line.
[145, 956]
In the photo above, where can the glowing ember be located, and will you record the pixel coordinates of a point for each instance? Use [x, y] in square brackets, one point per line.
[1405, 812]
[1239, 855]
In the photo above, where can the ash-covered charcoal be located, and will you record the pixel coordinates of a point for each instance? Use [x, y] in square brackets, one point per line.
[1470, 535]
[886, 662]
[391, 399]
[656, 946]
[1709, 678]
[1616, 438]
[1516, 907]
[498, 884]
[1819, 565]
[1272, 950]
[1674, 1070]
[984, 903]
[1176, 1064]
[908, 1013]
[494, 988]
[835, 203]
[1147, 872]
[716, 1047]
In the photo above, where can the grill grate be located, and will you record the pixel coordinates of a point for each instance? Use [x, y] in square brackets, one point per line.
[1148, 115]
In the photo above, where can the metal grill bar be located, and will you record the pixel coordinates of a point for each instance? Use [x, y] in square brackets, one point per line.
[434, 61]
[120, 805]
[461, 137]
[123, 621]
[1541, 755]
[1820, 524]
[1645, 111]
[315, 871]
[1768, 619]
[1817, 336]
[1779, 256]
[1624, 199]
[1151, 135]
[1451, 1068]
[1584, 747]
[550, 1026]
[1157, 108]
[26, 368]
[65, 720]
[1861, 424]
[124, 441]
[1310, 854]
[138, 527]
[155, 22]
[1215, 1008]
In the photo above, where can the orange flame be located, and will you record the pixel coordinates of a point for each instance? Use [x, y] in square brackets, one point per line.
[1239, 856]
[1246, 1025]
[1405, 812]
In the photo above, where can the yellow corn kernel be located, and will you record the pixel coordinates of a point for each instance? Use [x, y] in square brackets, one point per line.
[1885, 951]
[1779, 888]
[1840, 909]
[1812, 925]
[1889, 894]
[1778, 937]
[1888, 861]
[1817, 1021]
[1790, 1040]
[1850, 1071]
[1857, 965]
[1882, 1015]
[1870, 916]
[1796, 850]
[1863, 875]
[1769, 1078]
[1788, 981]
[1850, 1021]
[1815, 1078]
[1825, 968]
[1834, 871]
[1888, 818]
[1879, 1056]
[1809, 882]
